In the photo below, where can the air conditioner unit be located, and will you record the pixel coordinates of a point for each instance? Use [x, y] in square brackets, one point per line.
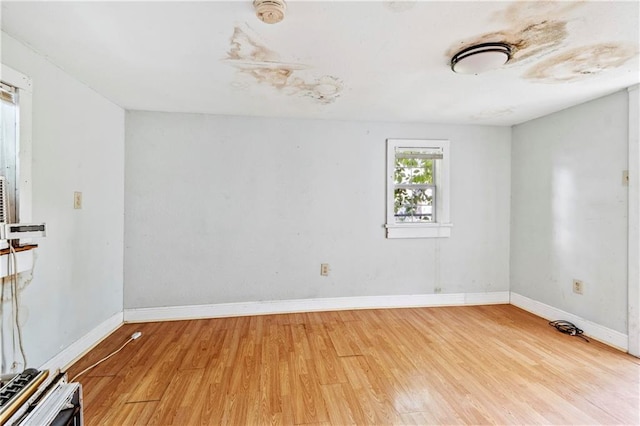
[14, 231]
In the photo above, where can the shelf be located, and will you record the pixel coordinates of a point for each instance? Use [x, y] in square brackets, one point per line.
[24, 258]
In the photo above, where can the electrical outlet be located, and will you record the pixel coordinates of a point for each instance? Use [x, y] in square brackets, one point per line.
[578, 286]
[324, 269]
[77, 200]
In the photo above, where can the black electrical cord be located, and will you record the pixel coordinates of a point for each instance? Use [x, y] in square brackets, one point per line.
[567, 328]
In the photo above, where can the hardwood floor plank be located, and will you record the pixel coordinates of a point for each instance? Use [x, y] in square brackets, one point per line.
[270, 394]
[324, 358]
[338, 407]
[455, 365]
[308, 405]
[130, 414]
[154, 382]
[113, 396]
[177, 404]
[99, 386]
[344, 340]
[372, 390]
[209, 407]
[201, 349]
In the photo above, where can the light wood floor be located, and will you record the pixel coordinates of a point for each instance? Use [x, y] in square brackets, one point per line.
[458, 365]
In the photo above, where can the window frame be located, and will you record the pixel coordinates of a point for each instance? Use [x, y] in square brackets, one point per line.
[24, 91]
[441, 227]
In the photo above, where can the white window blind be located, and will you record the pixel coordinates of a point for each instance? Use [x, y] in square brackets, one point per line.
[7, 93]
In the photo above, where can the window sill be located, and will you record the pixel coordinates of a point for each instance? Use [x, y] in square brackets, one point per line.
[432, 230]
[24, 259]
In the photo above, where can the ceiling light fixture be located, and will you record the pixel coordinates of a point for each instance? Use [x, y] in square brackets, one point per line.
[482, 57]
[270, 11]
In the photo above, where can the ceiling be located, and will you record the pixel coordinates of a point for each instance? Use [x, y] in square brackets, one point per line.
[361, 60]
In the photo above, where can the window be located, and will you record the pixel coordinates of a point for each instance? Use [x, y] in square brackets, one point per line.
[8, 146]
[417, 188]
[15, 143]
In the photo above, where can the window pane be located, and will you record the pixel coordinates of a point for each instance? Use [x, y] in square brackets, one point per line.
[8, 153]
[413, 205]
[413, 171]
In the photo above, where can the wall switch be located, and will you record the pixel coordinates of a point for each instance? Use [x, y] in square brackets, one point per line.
[77, 200]
[324, 269]
[578, 286]
[625, 177]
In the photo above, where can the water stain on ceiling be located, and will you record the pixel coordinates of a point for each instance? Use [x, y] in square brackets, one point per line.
[501, 112]
[535, 29]
[263, 66]
[538, 33]
[522, 11]
[526, 40]
[581, 62]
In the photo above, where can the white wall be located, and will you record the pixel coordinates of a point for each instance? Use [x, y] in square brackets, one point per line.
[78, 145]
[231, 209]
[569, 210]
[633, 258]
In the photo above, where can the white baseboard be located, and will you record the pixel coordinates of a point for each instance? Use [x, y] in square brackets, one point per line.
[169, 313]
[591, 329]
[77, 349]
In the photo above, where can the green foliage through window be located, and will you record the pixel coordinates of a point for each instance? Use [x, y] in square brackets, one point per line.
[414, 188]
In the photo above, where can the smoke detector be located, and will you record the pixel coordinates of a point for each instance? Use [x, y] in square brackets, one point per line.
[480, 58]
[270, 11]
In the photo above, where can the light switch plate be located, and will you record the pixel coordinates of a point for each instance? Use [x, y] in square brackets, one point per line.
[77, 200]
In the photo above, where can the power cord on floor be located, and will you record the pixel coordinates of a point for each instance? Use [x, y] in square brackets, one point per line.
[133, 337]
[567, 328]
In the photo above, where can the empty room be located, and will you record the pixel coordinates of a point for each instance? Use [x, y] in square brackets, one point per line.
[319, 212]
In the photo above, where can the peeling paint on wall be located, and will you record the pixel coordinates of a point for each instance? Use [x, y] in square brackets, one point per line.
[581, 62]
[14, 315]
[263, 66]
[23, 279]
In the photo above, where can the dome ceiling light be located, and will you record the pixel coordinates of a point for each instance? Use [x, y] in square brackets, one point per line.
[479, 58]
